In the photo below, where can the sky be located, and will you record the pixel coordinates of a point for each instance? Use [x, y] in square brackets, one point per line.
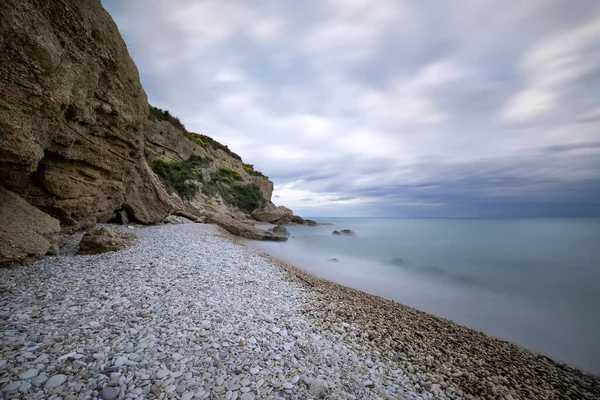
[387, 107]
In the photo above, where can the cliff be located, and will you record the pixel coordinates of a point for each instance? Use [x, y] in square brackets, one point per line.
[78, 144]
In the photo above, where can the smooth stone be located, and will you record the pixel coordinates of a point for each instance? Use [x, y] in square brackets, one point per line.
[39, 380]
[162, 373]
[170, 389]
[254, 371]
[30, 373]
[187, 396]
[318, 387]
[119, 362]
[11, 386]
[55, 381]
[247, 396]
[25, 386]
[287, 385]
[368, 384]
[110, 393]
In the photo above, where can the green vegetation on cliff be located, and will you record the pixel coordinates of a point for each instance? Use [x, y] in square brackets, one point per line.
[216, 145]
[176, 175]
[156, 113]
[227, 183]
[249, 168]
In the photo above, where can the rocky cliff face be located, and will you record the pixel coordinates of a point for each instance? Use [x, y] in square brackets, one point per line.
[170, 144]
[73, 115]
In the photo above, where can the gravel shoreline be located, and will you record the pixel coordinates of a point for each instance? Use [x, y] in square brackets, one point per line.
[190, 313]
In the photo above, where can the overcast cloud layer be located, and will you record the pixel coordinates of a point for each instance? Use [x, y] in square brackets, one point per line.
[387, 108]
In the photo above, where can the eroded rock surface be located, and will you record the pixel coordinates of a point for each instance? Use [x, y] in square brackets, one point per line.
[73, 115]
[244, 230]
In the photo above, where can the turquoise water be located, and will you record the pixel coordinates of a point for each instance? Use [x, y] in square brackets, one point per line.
[535, 282]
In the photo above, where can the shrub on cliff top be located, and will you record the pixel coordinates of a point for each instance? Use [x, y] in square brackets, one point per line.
[249, 168]
[155, 113]
[216, 145]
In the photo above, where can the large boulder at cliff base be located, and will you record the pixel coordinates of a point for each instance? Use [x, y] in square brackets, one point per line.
[26, 233]
[244, 230]
[103, 240]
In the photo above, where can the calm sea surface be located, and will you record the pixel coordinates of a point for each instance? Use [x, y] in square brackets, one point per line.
[535, 282]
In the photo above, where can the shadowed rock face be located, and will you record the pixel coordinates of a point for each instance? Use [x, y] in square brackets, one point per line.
[25, 232]
[72, 115]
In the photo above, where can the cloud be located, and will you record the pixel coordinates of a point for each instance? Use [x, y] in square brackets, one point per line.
[390, 107]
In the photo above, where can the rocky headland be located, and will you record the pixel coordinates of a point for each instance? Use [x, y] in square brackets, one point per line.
[167, 304]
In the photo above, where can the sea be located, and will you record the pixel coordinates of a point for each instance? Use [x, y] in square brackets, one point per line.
[533, 282]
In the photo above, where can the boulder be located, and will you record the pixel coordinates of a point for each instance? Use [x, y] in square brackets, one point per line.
[296, 219]
[310, 222]
[274, 215]
[280, 230]
[26, 233]
[241, 229]
[176, 220]
[103, 240]
[347, 232]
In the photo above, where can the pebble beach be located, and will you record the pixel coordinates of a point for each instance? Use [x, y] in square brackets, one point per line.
[191, 313]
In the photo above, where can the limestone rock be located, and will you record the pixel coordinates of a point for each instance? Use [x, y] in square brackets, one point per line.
[272, 214]
[280, 230]
[318, 388]
[347, 232]
[244, 230]
[25, 232]
[296, 219]
[73, 115]
[176, 219]
[106, 239]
